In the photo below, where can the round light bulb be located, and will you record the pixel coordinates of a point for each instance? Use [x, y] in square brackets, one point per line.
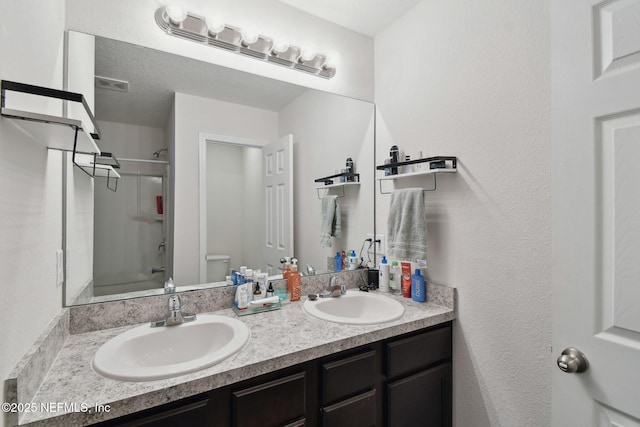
[330, 62]
[249, 36]
[307, 55]
[176, 13]
[280, 46]
[215, 25]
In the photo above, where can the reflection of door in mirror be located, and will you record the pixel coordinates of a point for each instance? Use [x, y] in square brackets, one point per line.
[237, 216]
[277, 182]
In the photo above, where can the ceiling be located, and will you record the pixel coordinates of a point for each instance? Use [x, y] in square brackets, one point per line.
[154, 76]
[369, 17]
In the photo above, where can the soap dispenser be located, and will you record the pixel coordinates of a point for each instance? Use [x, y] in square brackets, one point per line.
[294, 283]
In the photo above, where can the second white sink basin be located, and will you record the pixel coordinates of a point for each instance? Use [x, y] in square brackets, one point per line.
[145, 353]
[355, 307]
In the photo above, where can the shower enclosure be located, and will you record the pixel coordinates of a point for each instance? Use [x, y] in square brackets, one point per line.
[130, 229]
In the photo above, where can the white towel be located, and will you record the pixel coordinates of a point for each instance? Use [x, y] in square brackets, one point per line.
[407, 225]
[331, 223]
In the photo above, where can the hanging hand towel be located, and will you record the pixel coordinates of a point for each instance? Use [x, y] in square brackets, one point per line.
[407, 225]
[331, 222]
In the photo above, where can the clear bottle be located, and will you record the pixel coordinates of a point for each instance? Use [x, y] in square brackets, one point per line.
[395, 278]
[294, 283]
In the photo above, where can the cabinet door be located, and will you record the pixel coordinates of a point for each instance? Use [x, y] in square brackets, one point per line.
[422, 399]
[359, 411]
[274, 403]
[187, 415]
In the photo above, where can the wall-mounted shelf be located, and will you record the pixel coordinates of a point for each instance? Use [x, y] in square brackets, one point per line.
[436, 165]
[339, 184]
[55, 132]
[329, 182]
[99, 166]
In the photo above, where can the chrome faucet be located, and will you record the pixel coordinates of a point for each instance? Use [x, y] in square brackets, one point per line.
[335, 290]
[176, 316]
[310, 270]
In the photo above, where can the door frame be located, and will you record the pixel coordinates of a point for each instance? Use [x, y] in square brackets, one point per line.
[203, 139]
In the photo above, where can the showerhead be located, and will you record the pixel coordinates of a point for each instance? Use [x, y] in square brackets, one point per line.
[157, 153]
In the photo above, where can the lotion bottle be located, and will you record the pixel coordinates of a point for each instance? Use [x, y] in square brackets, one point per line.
[353, 260]
[418, 287]
[383, 282]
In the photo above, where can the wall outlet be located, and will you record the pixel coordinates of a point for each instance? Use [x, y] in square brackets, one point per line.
[380, 247]
[59, 267]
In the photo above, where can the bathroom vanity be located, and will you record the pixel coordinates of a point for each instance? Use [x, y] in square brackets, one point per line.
[401, 381]
[295, 370]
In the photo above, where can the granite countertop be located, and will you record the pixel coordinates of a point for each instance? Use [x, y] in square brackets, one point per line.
[281, 338]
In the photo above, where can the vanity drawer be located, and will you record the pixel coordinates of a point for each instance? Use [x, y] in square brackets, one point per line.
[274, 403]
[359, 411]
[417, 352]
[346, 377]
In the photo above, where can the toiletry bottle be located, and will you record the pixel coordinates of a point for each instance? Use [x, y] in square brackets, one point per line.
[387, 171]
[270, 290]
[287, 270]
[353, 260]
[418, 287]
[406, 278]
[408, 168]
[344, 260]
[383, 282]
[350, 169]
[294, 283]
[257, 295]
[395, 158]
[420, 166]
[242, 295]
[337, 262]
[394, 277]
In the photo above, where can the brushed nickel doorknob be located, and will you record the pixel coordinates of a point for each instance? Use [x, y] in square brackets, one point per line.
[572, 360]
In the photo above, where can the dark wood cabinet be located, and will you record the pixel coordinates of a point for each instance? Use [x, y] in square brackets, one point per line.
[402, 381]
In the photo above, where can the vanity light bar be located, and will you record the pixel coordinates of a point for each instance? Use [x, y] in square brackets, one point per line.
[190, 26]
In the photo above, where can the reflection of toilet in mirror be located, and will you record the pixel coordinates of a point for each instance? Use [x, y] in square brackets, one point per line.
[217, 268]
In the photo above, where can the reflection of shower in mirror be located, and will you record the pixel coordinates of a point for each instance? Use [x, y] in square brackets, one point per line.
[156, 154]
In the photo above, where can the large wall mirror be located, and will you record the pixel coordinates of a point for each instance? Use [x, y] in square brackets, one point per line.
[193, 141]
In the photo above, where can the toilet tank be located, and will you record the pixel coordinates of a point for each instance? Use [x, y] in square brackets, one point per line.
[217, 267]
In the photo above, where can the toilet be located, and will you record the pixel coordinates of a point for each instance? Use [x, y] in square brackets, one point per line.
[217, 268]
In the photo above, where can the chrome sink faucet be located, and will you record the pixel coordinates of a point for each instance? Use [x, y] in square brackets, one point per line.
[176, 316]
[335, 290]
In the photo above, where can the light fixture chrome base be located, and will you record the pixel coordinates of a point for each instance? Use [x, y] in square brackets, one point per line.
[194, 28]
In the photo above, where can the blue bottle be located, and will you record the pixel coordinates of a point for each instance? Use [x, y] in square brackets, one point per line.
[338, 262]
[418, 287]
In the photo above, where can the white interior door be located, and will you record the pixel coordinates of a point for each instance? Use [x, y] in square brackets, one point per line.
[596, 209]
[278, 197]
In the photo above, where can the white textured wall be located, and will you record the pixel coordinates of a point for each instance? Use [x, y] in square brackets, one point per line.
[471, 79]
[133, 21]
[326, 130]
[31, 43]
[195, 115]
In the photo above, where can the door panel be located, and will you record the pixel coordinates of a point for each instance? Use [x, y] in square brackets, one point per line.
[596, 208]
[278, 201]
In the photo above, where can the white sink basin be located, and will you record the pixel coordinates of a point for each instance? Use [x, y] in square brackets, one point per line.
[355, 307]
[145, 353]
